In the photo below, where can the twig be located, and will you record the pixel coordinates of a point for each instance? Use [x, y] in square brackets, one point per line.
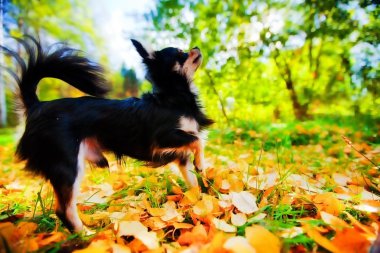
[212, 85]
[349, 143]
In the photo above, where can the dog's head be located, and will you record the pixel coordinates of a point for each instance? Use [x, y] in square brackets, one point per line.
[170, 68]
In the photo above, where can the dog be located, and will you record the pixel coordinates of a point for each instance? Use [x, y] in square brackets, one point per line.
[163, 126]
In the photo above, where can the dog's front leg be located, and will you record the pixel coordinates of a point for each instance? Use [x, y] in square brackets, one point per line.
[199, 159]
[187, 170]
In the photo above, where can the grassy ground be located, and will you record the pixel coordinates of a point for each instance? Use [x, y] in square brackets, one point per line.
[299, 187]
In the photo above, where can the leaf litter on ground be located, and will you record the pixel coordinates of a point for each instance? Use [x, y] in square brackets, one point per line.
[319, 196]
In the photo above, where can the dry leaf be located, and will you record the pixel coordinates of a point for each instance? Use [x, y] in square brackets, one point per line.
[264, 181]
[101, 246]
[350, 240]
[139, 231]
[335, 222]
[291, 232]
[318, 238]
[223, 225]
[197, 235]
[262, 240]
[244, 201]
[238, 244]
[329, 203]
[238, 219]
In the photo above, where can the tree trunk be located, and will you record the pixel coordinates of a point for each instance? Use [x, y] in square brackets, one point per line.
[300, 111]
[3, 105]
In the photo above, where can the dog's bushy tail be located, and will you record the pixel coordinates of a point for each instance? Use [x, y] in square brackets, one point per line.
[60, 62]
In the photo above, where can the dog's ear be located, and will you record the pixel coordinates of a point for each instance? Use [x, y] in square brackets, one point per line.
[140, 49]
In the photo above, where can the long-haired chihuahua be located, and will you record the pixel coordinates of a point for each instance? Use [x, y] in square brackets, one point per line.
[163, 126]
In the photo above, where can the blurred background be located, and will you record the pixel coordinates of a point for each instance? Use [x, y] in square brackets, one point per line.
[264, 61]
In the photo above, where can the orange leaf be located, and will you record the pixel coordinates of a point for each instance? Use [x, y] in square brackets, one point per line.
[197, 235]
[318, 238]
[52, 238]
[333, 221]
[329, 203]
[351, 240]
[262, 240]
[360, 226]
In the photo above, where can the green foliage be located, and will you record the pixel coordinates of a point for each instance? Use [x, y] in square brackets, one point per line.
[277, 60]
[64, 20]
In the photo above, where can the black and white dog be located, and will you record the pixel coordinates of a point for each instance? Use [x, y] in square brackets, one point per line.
[166, 125]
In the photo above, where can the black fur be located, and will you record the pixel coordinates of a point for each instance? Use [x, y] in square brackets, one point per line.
[131, 127]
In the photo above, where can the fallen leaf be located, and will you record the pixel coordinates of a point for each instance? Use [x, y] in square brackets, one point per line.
[291, 232]
[263, 181]
[350, 240]
[262, 240]
[244, 201]
[197, 235]
[101, 246]
[51, 238]
[329, 203]
[238, 244]
[318, 238]
[335, 222]
[139, 231]
[238, 219]
[223, 225]
[341, 179]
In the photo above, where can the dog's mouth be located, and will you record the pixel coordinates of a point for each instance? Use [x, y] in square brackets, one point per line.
[197, 59]
[195, 55]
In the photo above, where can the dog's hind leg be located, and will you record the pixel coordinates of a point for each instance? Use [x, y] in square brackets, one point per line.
[66, 192]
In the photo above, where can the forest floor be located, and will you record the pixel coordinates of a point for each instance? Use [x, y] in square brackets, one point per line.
[297, 187]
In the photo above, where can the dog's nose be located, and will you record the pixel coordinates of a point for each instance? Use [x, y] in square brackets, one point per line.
[196, 47]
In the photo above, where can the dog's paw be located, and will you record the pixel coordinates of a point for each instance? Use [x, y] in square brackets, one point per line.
[87, 232]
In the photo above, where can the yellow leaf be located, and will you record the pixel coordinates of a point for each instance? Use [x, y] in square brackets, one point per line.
[223, 225]
[191, 196]
[140, 232]
[54, 237]
[329, 203]
[264, 181]
[333, 221]
[244, 201]
[130, 228]
[177, 225]
[238, 219]
[95, 219]
[357, 224]
[239, 244]
[197, 235]
[101, 246]
[149, 239]
[318, 238]
[156, 211]
[262, 240]
[26, 228]
[351, 240]
[291, 232]
[171, 213]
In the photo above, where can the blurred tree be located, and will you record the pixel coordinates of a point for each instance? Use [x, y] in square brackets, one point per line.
[62, 20]
[3, 105]
[65, 20]
[280, 53]
[130, 83]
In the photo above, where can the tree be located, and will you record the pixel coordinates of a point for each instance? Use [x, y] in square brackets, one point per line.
[3, 107]
[255, 51]
[63, 20]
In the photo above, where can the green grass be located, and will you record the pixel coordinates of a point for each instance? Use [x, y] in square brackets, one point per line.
[7, 136]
